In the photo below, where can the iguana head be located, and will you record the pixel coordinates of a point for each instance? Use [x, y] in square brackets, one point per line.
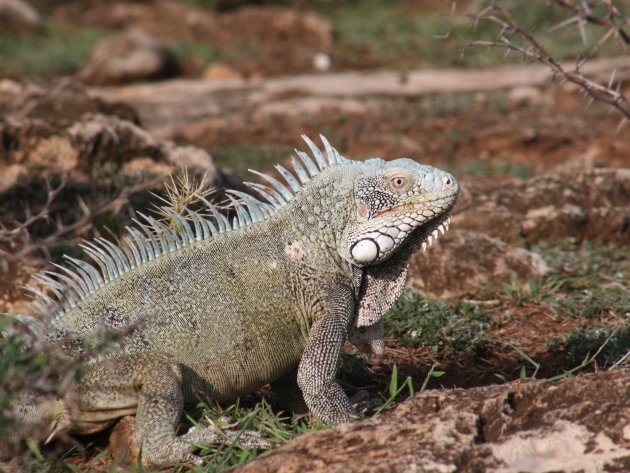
[394, 202]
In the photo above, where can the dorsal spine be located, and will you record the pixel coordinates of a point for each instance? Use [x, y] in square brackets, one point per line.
[153, 238]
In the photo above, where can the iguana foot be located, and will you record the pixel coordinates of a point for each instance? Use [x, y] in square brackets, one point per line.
[211, 434]
[182, 447]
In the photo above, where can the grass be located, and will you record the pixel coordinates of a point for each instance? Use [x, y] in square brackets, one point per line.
[392, 34]
[584, 341]
[261, 418]
[590, 284]
[243, 156]
[185, 49]
[587, 280]
[367, 34]
[457, 330]
[56, 50]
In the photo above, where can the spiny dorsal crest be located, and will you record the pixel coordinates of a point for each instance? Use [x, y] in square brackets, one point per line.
[153, 238]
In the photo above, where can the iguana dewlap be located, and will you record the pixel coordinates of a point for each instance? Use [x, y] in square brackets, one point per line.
[217, 307]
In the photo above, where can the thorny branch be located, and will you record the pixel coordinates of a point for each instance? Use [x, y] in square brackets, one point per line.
[10, 235]
[614, 24]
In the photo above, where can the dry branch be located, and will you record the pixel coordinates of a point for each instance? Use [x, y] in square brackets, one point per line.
[89, 215]
[513, 37]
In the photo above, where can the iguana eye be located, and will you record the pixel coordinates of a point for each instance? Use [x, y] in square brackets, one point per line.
[399, 182]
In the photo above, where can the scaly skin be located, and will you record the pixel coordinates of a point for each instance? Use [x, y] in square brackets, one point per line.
[271, 301]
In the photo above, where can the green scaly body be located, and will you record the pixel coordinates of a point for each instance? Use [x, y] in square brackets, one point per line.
[218, 311]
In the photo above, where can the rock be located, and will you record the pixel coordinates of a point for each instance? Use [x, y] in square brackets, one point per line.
[123, 446]
[62, 129]
[295, 108]
[219, 71]
[266, 40]
[140, 167]
[61, 103]
[9, 87]
[524, 96]
[55, 152]
[578, 424]
[18, 17]
[10, 174]
[191, 157]
[591, 205]
[104, 138]
[128, 57]
[463, 262]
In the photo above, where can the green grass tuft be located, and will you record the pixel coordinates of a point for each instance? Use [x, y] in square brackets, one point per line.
[243, 156]
[56, 50]
[584, 341]
[457, 330]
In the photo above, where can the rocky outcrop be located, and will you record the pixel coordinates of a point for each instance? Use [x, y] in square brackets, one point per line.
[18, 17]
[590, 205]
[579, 424]
[129, 57]
[466, 261]
[63, 130]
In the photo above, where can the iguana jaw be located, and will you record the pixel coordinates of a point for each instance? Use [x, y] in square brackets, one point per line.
[419, 219]
[430, 231]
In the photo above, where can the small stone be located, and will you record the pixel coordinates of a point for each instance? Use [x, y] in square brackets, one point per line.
[18, 17]
[10, 174]
[128, 57]
[123, 446]
[321, 62]
[220, 71]
[146, 166]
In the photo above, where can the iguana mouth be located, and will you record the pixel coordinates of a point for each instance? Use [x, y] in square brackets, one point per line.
[431, 231]
[381, 242]
[407, 205]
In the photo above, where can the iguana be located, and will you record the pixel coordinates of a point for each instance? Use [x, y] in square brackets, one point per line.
[219, 308]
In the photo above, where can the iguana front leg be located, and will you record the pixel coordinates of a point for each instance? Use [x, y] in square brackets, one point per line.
[318, 366]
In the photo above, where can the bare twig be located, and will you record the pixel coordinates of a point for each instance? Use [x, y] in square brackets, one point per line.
[114, 206]
[530, 48]
[9, 235]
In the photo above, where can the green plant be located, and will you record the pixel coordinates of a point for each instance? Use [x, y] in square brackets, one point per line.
[608, 343]
[458, 330]
[395, 389]
[433, 373]
[243, 156]
[57, 50]
[523, 371]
